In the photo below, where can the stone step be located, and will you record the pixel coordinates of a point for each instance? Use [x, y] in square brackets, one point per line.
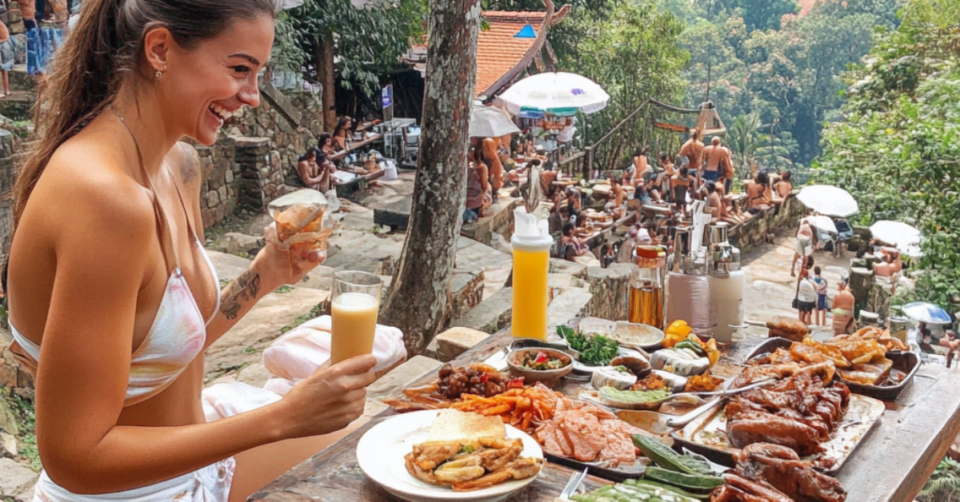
[490, 315]
[455, 341]
[244, 343]
[18, 105]
[20, 80]
[228, 266]
[16, 480]
[572, 303]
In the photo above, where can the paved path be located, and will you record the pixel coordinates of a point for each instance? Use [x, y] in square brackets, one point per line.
[770, 289]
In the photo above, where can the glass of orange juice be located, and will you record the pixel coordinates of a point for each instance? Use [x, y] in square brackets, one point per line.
[356, 301]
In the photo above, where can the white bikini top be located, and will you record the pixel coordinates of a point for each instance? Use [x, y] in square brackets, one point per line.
[178, 332]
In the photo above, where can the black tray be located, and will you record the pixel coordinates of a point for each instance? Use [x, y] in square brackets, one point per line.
[907, 362]
[618, 474]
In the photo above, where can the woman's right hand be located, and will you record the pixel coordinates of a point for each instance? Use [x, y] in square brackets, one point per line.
[329, 399]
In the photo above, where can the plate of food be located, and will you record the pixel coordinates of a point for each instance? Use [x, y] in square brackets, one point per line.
[539, 364]
[428, 456]
[593, 350]
[823, 423]
[869, 361]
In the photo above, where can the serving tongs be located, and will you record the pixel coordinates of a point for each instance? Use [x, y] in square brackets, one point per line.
[659, 423]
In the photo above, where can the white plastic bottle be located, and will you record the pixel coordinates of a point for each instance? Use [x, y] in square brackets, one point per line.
[726, 302]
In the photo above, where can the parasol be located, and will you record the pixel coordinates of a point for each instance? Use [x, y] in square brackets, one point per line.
[490, 122]
[828, 200]
[824, 223]
[926, 312]
[556, 93]
[898, 234]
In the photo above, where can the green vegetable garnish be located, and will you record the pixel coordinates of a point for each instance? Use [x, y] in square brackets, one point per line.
[622, 369]
[466, 449]
[595, 350]
[633, 396]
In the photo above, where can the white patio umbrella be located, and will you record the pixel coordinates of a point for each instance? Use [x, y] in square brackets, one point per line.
[824, 223]
[829, 200]
[557, 93]
[490, 122]
[926, 312]
[904, 237]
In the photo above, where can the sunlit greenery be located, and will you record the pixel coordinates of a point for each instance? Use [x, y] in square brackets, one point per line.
[898, 148]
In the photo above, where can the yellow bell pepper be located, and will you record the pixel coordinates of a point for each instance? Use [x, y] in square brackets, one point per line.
[676, 332]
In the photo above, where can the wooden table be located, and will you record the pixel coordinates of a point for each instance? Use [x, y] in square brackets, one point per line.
[891, 465]
[355, 145]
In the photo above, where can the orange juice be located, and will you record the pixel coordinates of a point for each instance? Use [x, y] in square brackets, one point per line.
[530, 293]
[354, 325]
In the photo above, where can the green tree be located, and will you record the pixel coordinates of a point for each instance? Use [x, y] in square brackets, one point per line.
[760, 14]
[353, 47]
[897, 150]
[633, 54]
[742, 139]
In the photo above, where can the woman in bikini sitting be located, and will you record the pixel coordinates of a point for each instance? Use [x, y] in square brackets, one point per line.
[107, 271]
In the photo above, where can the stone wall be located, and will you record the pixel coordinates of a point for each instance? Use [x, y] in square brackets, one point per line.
[754, 231]
[256, 156]
[9, 143]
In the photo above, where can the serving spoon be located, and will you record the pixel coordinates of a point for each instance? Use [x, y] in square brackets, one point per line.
[658, 423]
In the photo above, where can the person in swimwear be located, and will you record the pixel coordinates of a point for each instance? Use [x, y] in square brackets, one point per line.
[107, 271]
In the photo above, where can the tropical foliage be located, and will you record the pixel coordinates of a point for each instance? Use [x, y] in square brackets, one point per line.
[898, 149]
[758, 56]
[943, 484]
[368, 42]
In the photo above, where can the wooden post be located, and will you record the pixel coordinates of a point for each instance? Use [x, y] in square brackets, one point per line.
[421, 283]
[587, 162]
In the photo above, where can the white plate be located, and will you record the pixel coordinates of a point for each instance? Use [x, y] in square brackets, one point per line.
[623, 351]
[380, 454]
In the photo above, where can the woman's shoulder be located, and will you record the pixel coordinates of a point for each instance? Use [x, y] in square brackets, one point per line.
[86, 184]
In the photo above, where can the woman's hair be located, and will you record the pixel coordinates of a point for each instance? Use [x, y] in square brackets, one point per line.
[664, 157]
[638, 152]
[321, 157]
[306, 155]
[644, 150]
[762, 178]
[324, 137]
[105, 47]
[567, 228]
[785, 176]
[809, 261]
[711, 187]
[341, 125]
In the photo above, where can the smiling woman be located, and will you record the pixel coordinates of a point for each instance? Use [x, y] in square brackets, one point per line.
[108, 275]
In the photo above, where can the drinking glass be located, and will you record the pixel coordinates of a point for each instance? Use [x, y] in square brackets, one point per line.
[356, 301]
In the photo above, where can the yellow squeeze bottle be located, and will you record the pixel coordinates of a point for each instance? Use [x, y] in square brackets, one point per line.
[531, 244]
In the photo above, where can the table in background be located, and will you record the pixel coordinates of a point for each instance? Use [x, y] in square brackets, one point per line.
[891, 465]
[356, 145]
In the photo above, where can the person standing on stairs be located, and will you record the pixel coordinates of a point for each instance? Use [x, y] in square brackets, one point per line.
[6, 60]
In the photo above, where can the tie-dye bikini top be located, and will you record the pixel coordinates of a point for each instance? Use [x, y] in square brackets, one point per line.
[178, 332]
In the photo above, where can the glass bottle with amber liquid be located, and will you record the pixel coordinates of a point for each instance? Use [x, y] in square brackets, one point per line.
[646, 288]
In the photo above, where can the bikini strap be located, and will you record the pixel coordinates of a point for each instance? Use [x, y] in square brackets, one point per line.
[186, 214]
[166, 238]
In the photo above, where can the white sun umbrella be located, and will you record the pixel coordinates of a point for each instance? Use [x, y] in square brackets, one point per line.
[557, 93]
[824, 223]
[829, 200]
[490, 122]
[904, 237]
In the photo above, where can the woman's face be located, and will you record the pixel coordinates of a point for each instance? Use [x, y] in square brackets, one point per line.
[216, 79]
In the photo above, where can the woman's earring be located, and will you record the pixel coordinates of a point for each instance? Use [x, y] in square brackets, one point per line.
[159, 74]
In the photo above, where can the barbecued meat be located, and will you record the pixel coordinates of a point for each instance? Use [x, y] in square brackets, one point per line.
[761, 427]
[782, 469]
[739, 489]
[798, 412]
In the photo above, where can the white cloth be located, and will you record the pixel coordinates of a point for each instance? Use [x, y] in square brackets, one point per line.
[210, 484]
[228, 399]
[807, 292]
[297, 354]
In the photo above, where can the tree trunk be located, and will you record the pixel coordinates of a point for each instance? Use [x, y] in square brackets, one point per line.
[421, 283]
[325, 73]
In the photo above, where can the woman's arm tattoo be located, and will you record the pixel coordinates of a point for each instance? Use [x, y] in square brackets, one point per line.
[244, 289]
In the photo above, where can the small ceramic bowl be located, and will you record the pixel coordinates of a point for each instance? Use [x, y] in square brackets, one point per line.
[531, 375]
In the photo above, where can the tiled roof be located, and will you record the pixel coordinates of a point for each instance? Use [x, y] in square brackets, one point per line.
[499, 50]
